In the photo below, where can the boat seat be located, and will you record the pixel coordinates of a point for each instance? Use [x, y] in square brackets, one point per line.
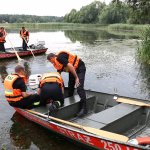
[72, 106]
[116, 118]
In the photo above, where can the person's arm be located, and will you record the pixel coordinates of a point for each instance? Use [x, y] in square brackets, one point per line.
[27, 37]
[20, 34]
[72, 70]
[63, 92]
[25, 94]
[20, 84]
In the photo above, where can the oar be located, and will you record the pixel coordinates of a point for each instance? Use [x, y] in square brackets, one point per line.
[18, 57]
[132, 102]
[29, 47]
[95, 131]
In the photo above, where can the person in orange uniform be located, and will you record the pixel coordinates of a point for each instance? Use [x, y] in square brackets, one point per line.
[67, 62]
[24, 34]
[52, 88]
[2, 39]
[15, 90]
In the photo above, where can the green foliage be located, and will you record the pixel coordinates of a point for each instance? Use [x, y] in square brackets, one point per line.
[28, 19]
[140, 11]
[144, 48]
[87, 14]
[114, 13]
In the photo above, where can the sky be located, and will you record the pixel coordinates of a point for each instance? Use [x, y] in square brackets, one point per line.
[43, 7]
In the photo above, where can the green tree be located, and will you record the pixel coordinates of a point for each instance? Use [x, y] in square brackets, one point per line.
[87, 14]
[116, 12]
[140, 11]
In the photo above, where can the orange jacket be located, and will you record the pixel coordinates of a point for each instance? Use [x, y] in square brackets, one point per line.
[2, 38]
[24, 34]
[12, 95]
[73, 59]
[51, 77]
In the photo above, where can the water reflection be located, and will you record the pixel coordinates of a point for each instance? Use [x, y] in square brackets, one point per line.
[27, 69]
[27, 135]
[144, 77]
[3, 73]
[92, 36]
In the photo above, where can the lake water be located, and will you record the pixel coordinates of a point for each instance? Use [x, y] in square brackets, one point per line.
[111, 64]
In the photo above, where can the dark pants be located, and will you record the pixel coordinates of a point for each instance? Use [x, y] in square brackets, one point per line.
[81, 70]
[51, 91]
[2, 47]
[26, 102]
[24, 45]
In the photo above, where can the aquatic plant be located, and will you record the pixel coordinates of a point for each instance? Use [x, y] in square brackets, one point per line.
[144, 46]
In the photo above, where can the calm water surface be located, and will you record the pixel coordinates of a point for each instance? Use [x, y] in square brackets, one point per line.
[111, 64]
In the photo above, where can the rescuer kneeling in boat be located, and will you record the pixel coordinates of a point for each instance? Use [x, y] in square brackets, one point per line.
[52, 89]
[15, 90]
[67, 62]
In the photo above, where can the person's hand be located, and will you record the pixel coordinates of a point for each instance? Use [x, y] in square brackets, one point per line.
[77, 82]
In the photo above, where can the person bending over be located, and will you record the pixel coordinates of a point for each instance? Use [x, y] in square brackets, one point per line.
[67, 62]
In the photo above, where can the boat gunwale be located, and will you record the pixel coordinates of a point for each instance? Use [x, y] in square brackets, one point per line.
[24, 112]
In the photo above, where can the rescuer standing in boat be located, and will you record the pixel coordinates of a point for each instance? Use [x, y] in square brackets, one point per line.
[2, 39]
[15, 90]
[24, 34]
[52, 88]
[67, 62]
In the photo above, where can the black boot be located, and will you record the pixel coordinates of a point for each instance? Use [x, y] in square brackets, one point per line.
[54, 106]
[83, 110]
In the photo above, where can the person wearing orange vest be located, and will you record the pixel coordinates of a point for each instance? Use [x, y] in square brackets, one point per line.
[2, 39]
[24, 34]
[15, 90]
[68, 62]
[52, 88]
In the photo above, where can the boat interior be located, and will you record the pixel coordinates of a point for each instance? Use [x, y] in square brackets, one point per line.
[103, 113]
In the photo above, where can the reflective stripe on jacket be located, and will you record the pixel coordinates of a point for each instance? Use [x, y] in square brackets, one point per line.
[11, 94]
[72, 59]
[53, 77]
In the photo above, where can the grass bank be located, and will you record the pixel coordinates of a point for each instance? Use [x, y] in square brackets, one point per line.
[128, 27]
[51, 26]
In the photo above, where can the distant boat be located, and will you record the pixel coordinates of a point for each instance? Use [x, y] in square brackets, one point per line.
[10, 52]
[109, 125]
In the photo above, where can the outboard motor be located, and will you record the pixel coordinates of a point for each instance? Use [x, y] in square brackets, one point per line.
[34, 81]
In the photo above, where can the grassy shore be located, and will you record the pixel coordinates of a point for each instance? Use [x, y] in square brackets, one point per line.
[51, 26]
[128, 27]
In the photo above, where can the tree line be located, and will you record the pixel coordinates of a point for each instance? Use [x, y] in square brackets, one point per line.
[5, 18]
[125, 11]
[118, 11]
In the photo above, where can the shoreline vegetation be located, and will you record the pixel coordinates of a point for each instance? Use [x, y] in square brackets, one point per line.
[118, 26]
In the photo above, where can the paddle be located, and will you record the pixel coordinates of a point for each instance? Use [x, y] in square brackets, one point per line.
[18, 57]
[132, 102]
[95, 131]
[29, 47]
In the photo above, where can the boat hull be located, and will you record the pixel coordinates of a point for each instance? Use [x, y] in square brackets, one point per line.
[22, 53]
[89, 140]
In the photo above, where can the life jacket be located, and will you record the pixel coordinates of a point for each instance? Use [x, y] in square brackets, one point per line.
[53, 77]
[11, 94]
[72, 59]
[2, 37]
[24, 34]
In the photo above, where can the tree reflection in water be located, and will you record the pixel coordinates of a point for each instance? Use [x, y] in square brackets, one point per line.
[27, 135]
